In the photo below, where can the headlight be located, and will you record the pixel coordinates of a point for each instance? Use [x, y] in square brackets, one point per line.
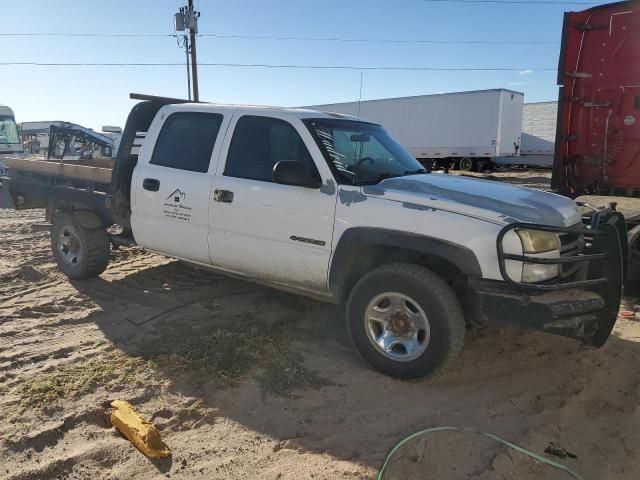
[540, 244]
[537, 241]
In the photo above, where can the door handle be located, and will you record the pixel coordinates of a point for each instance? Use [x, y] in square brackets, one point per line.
[151, 184]
[224, 196]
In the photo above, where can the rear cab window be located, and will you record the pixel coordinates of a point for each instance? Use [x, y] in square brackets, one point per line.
[259, 143]
[186, 141]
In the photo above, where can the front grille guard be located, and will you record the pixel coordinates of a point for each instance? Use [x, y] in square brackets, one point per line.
[605, 254]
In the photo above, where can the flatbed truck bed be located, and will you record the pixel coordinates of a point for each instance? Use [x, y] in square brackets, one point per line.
[98, 170]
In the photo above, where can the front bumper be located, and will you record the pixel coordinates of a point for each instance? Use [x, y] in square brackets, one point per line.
[583, 306]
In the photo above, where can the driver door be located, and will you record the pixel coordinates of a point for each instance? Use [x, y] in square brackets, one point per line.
[280, 233]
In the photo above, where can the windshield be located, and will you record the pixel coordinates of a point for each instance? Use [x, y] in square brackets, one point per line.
[362, 152]
[8, 130]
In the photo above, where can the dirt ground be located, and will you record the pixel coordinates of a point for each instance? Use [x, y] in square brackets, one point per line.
[246, 382]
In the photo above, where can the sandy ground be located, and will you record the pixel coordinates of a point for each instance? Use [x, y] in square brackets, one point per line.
[304, 407]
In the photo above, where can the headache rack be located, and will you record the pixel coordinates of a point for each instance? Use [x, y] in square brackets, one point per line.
[592, 255]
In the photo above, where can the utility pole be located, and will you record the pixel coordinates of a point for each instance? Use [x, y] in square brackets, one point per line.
[193, 29]
[186, 51]
[185, 44]
[187, 19]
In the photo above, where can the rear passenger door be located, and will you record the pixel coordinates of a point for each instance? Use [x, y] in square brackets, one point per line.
[279, 233]
[172, 184]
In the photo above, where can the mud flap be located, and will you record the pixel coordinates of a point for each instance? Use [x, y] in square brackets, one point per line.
[6, 201]
[614, 244]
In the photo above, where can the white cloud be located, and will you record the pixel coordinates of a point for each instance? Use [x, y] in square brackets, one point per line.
[513, 84]
[528, 71]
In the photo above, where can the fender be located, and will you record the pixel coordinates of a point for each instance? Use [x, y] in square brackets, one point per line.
[343, 259]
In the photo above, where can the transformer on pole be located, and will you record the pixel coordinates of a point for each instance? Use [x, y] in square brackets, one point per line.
[187, 20]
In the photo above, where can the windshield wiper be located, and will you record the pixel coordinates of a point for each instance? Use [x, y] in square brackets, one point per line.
[386, 175]
[380, 177]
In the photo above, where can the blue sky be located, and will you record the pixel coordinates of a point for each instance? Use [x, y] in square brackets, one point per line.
[95, 96]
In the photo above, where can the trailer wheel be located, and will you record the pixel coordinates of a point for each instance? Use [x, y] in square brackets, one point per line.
[405, 321]
[80, 250]
[467, 164]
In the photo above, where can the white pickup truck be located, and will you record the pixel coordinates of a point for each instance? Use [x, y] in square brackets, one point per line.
[332, 207]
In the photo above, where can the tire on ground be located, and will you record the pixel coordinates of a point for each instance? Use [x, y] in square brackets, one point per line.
[467, 164]
[437, 300]
[90, 240]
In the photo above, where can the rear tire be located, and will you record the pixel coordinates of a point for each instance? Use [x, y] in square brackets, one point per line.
[80, 244]
[405, 321]
[467, 164]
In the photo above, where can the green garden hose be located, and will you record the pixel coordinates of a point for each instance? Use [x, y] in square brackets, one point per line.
[533, 455]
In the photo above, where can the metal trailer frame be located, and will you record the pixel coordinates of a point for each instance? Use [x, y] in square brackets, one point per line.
[65, 135]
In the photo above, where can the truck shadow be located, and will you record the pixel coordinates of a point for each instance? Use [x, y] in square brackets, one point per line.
[506, 381]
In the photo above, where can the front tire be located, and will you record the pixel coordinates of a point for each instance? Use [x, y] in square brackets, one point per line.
[405, 321]
[80, 244]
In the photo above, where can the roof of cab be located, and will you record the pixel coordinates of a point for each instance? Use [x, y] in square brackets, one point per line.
[298, 112]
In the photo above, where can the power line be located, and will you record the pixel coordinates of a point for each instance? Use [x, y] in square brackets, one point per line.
[374, 40]
[281, 66]
[32, 34]
[514, 2]
[291, 38]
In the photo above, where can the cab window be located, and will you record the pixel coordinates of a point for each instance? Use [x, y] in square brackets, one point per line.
[186, 141]
[258, 143]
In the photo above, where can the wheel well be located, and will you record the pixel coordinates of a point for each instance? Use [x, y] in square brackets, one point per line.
[366, 258]
[86, 216]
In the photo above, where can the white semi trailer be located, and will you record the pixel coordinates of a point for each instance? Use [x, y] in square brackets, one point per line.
[454, 130]
[539, 121]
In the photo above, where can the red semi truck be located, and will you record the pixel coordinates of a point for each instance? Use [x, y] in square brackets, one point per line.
[597, 157]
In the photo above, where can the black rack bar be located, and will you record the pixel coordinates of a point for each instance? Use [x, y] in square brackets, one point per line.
[556, 283]
[559, 260]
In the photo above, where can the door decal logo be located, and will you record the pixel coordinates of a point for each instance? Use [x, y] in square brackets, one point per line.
[178, 195]
[175, 206]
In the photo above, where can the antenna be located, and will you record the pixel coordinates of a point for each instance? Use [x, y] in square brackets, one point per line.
[360, 96]
[357, 154]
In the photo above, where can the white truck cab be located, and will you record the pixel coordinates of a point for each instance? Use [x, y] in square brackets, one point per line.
[333, 207]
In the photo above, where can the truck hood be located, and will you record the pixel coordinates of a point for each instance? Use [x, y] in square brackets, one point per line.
[486, 199]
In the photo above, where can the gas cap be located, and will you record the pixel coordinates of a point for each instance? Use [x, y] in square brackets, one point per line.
[629, 120]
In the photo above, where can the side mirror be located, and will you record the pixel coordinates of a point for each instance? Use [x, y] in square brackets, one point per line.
[294, 172]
